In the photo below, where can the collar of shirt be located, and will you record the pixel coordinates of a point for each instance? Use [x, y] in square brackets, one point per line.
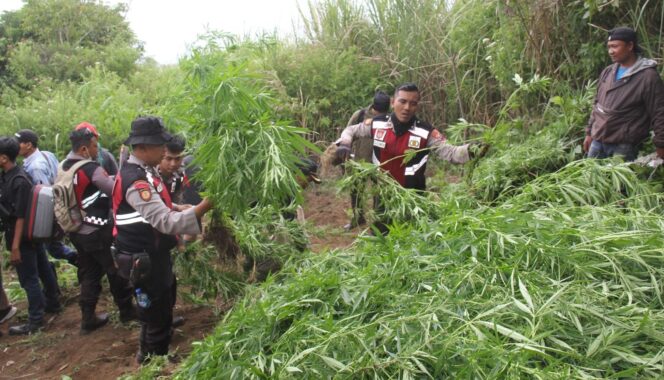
[35, 156]
[137, 161]
[174, 176]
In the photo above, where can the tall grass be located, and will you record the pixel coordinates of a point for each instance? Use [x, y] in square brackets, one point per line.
[102, 98]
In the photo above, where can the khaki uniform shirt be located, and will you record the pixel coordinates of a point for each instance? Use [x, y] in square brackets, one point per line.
[155, 211]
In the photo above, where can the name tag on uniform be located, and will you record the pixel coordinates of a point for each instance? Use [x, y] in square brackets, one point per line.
[414, 141]
[380, 134]
[379, 144]
[160, 188]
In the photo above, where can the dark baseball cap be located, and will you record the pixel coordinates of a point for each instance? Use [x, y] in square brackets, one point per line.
[623, 33]
[626, 34]
[148, 130]
[27, 135]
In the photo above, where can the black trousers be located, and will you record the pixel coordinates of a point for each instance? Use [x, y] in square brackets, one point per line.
[95, 261]
[161, 288]
[157, 319]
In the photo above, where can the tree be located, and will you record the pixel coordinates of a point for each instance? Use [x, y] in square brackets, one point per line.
[59, 39]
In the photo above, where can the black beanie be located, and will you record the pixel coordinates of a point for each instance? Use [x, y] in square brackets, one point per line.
[381, 102]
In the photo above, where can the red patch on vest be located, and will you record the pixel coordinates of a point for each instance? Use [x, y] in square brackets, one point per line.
[143, 190]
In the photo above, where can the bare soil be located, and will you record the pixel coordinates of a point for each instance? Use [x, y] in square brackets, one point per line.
[109, 352]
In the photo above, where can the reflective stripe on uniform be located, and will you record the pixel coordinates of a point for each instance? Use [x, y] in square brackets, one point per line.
[133, 217]
[374, 159]
[411, 170]
[381, 125]
[90, 200]
[421, 132]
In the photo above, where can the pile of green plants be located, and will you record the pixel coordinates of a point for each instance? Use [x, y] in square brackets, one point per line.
[542, 286]
[524, 144]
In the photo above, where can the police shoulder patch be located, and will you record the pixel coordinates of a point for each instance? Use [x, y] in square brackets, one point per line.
[143, 190]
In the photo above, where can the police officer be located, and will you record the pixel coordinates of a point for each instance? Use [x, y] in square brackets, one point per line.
[393, 134]
[396, 133]
[146, 222]
[93, 187]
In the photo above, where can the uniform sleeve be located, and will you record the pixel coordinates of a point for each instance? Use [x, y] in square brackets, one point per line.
[654, 102]
[452, 153]
[354, 119]
[355, 131]
[101, 179]
[160, 217]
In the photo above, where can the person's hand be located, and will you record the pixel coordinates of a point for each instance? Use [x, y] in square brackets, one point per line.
[660, 152]
[15, 257]
[586, 144]
[181, 208]
[343, 153]
[206, 204]
[478, 149]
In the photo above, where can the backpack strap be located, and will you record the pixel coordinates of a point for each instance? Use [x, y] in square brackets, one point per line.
[10, 184]
[79, 164]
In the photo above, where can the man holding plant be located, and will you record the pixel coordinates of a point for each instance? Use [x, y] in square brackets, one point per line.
[629, 102]
[399, 132]
[146, 222]
[402, 143]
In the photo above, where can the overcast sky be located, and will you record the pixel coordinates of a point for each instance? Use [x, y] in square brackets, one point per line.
[167, 26]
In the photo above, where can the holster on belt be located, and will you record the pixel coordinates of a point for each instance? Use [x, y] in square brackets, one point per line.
[135, 267]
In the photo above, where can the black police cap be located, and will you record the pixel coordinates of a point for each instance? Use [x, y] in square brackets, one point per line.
[148, 130]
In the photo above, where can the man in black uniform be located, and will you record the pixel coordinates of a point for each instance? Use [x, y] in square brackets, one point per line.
[93, 240]
[146, 222]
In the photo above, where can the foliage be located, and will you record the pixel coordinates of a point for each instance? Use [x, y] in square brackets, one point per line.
[324, 85]
[53, 109]
[524, 147]
[557, 289]
[199, 268]
[149, 371]
[247, 156]
[60, 39]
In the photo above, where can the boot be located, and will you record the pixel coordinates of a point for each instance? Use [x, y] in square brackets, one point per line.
[177, 321]
[141, 358]
[91, 321]
[26, 329]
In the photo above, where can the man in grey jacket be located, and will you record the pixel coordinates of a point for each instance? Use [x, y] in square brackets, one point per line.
[629, 102]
